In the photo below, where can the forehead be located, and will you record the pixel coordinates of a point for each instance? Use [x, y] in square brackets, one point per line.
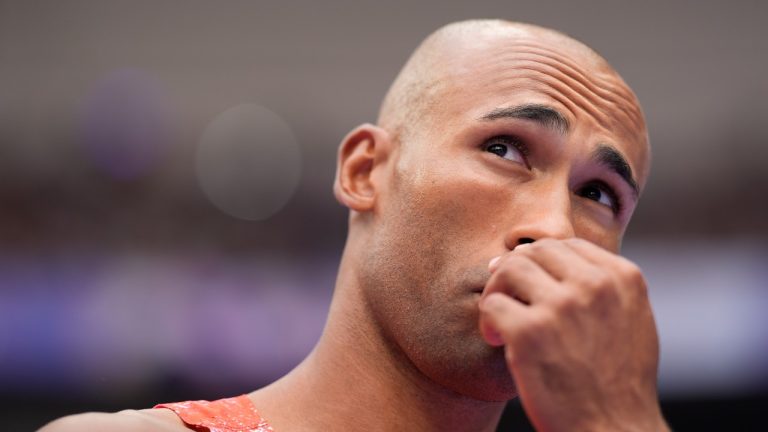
[478, 75]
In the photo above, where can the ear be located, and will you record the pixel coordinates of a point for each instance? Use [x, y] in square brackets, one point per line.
[362, 150]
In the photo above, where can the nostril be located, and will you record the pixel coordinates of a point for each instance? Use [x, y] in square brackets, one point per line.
[525, 240]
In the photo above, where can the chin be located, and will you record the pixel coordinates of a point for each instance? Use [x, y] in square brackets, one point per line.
[491, 388]
[482, 375]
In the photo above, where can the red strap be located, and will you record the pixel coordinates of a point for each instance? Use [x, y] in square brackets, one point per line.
[235, 414]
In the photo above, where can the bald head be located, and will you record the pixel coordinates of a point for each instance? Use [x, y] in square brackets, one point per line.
[454, 50]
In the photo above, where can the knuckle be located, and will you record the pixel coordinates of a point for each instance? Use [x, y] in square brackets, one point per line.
[598, 281]
[541, 323]
[605, 296]
[600, 289]
[567, 304]
[631, 272]
[632, 276]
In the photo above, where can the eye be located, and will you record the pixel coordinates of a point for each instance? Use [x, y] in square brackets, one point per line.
[506, 147]
[601, 193]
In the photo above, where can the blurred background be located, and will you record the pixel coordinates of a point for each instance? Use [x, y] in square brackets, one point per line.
[167, 228]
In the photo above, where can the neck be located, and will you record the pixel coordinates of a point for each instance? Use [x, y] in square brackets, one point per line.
[355, 379]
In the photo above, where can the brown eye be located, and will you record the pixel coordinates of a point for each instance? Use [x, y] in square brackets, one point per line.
[497, 149]
[505, 147]
[602, 194]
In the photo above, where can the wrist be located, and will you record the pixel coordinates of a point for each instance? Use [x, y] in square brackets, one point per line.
[651, 420]
[654, 424]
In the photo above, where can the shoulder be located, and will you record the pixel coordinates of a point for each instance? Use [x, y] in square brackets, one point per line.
[150, 420]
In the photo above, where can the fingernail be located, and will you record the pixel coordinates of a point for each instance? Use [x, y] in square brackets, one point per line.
[492, 264]
[521, 246]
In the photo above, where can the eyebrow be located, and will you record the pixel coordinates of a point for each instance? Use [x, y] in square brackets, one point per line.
[606, 155]
[551, 118]
[542, 114]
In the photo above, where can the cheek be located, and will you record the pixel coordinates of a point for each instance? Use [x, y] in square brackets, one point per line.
[455, 208]
[591, 230]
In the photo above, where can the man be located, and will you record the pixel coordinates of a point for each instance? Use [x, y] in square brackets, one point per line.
[486, 210]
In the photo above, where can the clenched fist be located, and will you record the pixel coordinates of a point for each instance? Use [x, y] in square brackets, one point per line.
[579, 336]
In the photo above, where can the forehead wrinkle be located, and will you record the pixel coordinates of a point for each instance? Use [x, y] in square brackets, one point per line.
[553, 88]
[618, 94]
[604, 99]
[604, 112]
[601, 85]
[570, 73]
[598, 66]
[574, 92]
[511, 83]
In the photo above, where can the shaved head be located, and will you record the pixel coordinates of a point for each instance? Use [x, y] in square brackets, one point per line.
[418, 83]
[416, 92]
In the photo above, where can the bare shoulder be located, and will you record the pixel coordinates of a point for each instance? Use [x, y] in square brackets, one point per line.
[149, 420]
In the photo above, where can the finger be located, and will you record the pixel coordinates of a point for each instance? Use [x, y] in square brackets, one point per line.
[521, 278]
[557, 259]
[500, 318]
[494, 263]
[592, 252]
[620, 269]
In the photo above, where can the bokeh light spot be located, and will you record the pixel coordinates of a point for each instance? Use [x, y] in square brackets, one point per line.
[248, 162]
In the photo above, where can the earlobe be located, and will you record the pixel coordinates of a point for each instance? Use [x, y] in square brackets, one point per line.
[361, 151]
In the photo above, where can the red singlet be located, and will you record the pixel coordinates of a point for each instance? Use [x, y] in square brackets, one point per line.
[235, 414]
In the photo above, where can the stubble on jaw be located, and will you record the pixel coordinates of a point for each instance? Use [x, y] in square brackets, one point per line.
[417, 288]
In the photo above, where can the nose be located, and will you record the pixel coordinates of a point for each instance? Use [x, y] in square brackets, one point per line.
[543, 214]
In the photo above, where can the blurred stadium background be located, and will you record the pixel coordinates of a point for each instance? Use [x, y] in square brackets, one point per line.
[139, 263]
